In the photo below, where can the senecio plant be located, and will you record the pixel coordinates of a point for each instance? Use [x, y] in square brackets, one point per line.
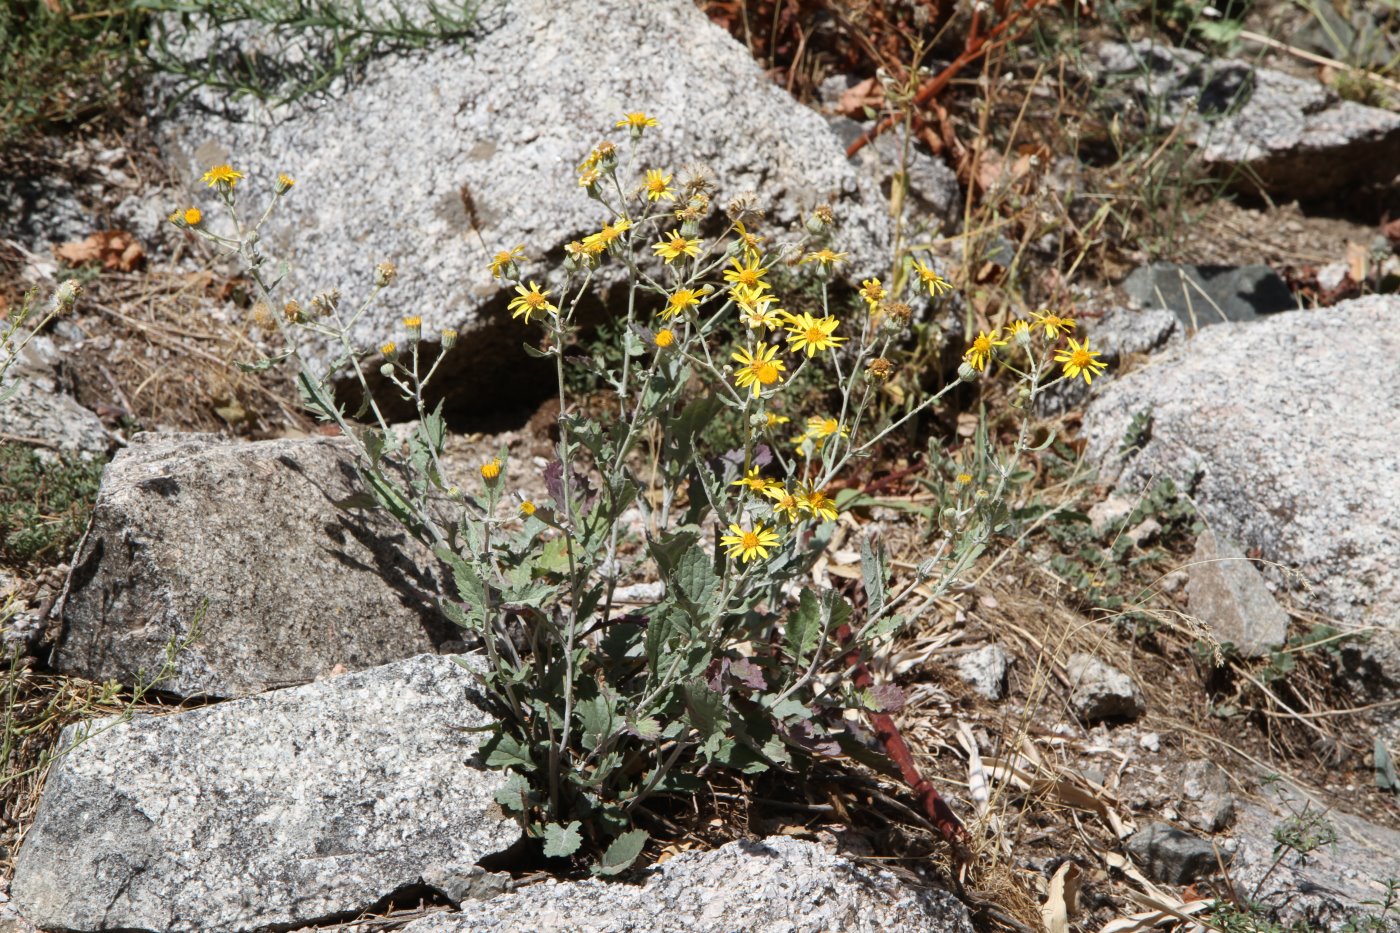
[738, 662]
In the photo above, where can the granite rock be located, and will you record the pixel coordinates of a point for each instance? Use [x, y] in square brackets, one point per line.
[1206, 801]
[290, 808]
[776, 884]
[1099, 691]
[985, 670]
[246, 540]
[1227, 593]
[39, 414]
[1170, 855]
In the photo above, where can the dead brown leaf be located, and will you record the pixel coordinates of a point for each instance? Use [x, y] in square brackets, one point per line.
[116, 250]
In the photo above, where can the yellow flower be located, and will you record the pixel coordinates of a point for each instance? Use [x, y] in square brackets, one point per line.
[747, 545]
[665, 338]
[491, 469]
[222, 176]
[1080, 360]
[1018, 330]
[1053, 324]
[413, 323]
[825, 427]
[760, 368]
[808, 333]
[817, 502]
[504, 259]
[677, 246]
[937, 285]
[193, 216]
[588, 177]
[285, 183]
[389, 349]
[980, 352]
[824, 256]
[784, 502]
[530, 301]
[964, 479]
[597, 242]
[681, 299]
[658, 185]
[527, 508]
[637, 121]
[873, 292]
[752, 242]
[752, 480]
[747, 274]
[775, 419]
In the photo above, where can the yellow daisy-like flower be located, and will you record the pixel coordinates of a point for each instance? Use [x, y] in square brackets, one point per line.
[825, 256]
[763, 313]
[753, 244]
[818, 503]
[1079, 360]
[980, 353]
[527, 508]
[658, 185]
[388, 349]
[676, 246]
[530, 301]
[679, 300]
[285, 183]
[1053, 324]
[588, 177]
[752, 480]
[193, 216]
[222, 175]
[964, 479]
[1018, 330]
[775, 419]
[825, 427]
[784, 502]
[597, 242]
[665, 338]
[873, 292]
[747, 274]
[810, 334]
[748, 544]
[760, 368]
[636, 121]
[491, 469]
[936, 284]
[505, 258]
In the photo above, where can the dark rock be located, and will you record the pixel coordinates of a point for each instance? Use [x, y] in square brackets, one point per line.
[1228, 594]
[1170, 855]
[1201, 295]
[244, 540]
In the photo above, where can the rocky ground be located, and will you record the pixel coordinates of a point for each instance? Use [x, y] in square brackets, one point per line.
[232, 704]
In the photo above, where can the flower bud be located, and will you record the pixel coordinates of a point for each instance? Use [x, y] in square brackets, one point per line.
[413, 328]
[449, 338]
[66, 294]
[389, 350]
[690, 229]
[285, 183]
[820, 220]
[384, 274]
[967, 372]
[386, 370]
[293, 313]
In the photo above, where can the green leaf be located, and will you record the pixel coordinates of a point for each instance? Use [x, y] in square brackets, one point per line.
[874, 570]
[804, 626]
[561, 841]
[598, 717]
[515, 796]
[504, 751]
[622, 853]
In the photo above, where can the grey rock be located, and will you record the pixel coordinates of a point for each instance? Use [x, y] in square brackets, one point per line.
[1266, 426]
[1099, 691]
[1170, 855]
[985, 669]
[246, 540]
[1201, 295]
[456, 153]
[1110, 513]
[1337, 883]
[777, 884]
[1292, 135]
[1206, 801]
[934, 192]
[290, 808]
[1227, 593]
[40, 415]
[1121, 332]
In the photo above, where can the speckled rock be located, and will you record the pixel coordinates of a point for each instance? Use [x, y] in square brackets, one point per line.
[439, 158]
[1171, 855]
[1227, 593]
[290, 808]
[40, 415]
[1283, 433]
[778, 884]
[246, 540]
[1293, 135]
[985, 670]
[1100, 691]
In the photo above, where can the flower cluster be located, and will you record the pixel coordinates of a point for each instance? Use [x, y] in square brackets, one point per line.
[1078, 359]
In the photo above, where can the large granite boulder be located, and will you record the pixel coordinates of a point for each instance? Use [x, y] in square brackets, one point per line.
[295, 807]
[437, 159]
[246, 541]
[779, 883]
[1283, 433]
[1290, 135]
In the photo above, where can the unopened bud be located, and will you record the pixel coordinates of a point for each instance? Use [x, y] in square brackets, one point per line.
[66, 294]
[384, 274]
[449, 338]
[967, 372]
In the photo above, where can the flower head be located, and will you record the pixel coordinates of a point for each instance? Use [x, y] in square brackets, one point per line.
[935, 283]
[751, 480]
[817, 502]
[980, 352]
[785, 503]
[747, 544]
[873, 292]
[388, 350]
[825, 256]
[658, 185]
[192, 216]
[527, 508]
[530, 301]
[760, 368]
[748, 274]
[773, 419]
[1019, 331]
[636, 121]
[1079, 360]
[679, 300]
[675, 246]
[664, 338]
[285, 183]
[810, 334]
[223, 177]
[1053, 324]
[491, 469]
[752, 243]
[504, 261]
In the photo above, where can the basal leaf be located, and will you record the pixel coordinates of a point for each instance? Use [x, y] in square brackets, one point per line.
[561, 841]
[622, 853]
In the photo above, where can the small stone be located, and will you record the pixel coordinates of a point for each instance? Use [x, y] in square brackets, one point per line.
[985, 669]
[1105, 515]
[1207, 802]
[1170, 855]
[1229, 595]
[1099, 691]
[1201, 295]
[1150, 741]
[1144, 531]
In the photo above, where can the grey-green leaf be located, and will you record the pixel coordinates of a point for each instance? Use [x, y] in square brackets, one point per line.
[622, 853]
[561, 841]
